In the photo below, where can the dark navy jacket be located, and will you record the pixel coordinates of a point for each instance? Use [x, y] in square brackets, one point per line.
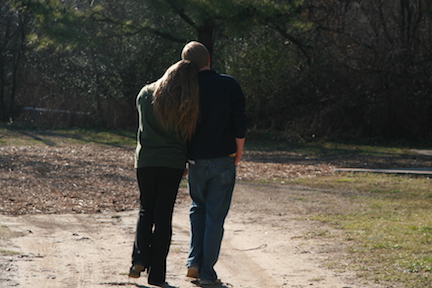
[222, 116]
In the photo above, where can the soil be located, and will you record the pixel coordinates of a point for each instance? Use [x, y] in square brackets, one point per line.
[265, 245]
[68, 215]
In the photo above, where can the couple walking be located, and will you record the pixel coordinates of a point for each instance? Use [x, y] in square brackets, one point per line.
[190, 115]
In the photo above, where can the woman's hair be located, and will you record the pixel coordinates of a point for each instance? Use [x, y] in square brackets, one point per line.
[176, 99]
[197, 53]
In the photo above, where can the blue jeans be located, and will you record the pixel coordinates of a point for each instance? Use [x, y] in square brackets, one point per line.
[211, 185]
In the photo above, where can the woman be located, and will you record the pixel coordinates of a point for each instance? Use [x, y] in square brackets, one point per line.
[168, 112]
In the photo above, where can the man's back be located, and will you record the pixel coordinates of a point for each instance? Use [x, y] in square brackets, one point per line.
[222, 116]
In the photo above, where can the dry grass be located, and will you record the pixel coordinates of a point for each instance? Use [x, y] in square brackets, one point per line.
[52, 179]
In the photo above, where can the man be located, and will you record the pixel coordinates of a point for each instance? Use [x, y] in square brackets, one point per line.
[215, 150]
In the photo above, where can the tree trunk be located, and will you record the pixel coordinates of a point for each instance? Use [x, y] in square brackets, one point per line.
[206, 36]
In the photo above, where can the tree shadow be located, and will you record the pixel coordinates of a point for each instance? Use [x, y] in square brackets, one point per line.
[167, 285]
[221, 285]
[358, 157]
[116, 138]
[136, 285]
[37, 138]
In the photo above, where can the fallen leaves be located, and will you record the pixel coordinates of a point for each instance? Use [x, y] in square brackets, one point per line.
[91, 178]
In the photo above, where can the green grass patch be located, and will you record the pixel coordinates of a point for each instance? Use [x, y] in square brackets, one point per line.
[385, 219]
[5, 235]
[115, 138]
[8, 253]
[271, 141]
[387, 224]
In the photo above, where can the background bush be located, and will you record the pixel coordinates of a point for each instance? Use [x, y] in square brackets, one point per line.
[312, 68]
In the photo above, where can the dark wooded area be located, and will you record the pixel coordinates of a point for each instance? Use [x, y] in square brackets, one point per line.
[311, 68]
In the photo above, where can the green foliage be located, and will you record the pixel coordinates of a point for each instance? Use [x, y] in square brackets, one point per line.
[267, 78]
[321, 68]
[61, 25]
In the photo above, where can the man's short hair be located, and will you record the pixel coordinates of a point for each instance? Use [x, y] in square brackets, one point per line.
[197, 53]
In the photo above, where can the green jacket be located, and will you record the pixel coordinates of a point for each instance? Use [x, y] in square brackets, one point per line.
[157, 147]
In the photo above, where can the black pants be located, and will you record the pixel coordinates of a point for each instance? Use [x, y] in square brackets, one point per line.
[158, 190]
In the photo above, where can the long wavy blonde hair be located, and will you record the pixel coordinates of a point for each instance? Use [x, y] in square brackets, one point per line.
[176, 99]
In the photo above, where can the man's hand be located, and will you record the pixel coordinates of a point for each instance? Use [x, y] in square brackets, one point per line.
[239, 153]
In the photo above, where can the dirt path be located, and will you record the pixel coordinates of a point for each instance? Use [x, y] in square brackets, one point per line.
[264, 246]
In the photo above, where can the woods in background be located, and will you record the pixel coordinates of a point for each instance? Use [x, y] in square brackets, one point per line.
[329, 68]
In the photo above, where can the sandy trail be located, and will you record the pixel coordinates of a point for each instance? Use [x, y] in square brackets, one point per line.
[260, 249]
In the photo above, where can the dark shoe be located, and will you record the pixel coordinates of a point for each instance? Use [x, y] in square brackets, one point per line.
[192, 272]
[135, 270]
